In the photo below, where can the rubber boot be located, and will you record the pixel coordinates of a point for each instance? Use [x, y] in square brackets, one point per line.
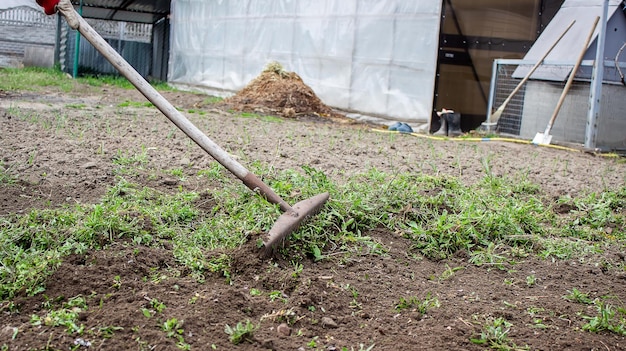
[454, 124]
[443, 130]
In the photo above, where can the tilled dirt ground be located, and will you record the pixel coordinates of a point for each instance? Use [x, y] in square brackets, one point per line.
[61, 146]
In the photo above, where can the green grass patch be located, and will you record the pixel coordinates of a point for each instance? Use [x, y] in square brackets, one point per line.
[34, 78]
[446, 216]
[106, 79]
[136, 104]
[76, 106]
[265, 118]
[128, 162]
[6, 174]
[119, 81]
[211, 100]
[596, 216]
[438, 214]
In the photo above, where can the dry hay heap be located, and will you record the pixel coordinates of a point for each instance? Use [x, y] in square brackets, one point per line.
[276, 91]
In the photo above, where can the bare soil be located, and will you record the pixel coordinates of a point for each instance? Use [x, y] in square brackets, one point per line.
[61, 146]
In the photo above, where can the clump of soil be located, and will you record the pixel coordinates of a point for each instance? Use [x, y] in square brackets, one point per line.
[279, 92]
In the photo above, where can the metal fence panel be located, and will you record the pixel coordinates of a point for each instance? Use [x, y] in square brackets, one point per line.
[21, 28]
[132, 40]
[532, 106]
[26, 30]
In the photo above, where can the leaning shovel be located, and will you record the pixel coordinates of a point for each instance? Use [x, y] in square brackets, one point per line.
[291, 218]
[545, 138]
[493, 120]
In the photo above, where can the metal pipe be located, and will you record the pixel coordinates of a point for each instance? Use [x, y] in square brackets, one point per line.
[595, 95]
[492, 91]
[77, 45]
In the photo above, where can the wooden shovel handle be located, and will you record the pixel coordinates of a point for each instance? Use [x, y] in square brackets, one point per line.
[570, 80]
[534, 68]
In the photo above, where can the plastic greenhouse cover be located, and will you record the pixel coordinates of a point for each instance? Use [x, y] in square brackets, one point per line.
[375, 57]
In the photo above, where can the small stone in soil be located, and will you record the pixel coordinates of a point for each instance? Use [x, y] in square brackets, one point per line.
[90, 165]
[169, 181]
[284, 329]
[329, 322]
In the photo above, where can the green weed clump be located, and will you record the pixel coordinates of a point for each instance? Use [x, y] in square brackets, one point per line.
[241, 332]
[6, 174]
[495, 334]
[419, 305]
[67, 316]
[609, 318]
[576, 295]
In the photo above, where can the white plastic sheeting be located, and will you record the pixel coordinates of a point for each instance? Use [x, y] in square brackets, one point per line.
[376, 57]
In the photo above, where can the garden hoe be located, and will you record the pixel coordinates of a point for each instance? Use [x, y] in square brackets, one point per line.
[291, 218]
[545, 138]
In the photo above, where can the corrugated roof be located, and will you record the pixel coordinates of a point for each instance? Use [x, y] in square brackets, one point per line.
[584, 12]
[139, 11]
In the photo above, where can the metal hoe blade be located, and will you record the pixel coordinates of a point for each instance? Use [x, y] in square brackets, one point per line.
[290, 220]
